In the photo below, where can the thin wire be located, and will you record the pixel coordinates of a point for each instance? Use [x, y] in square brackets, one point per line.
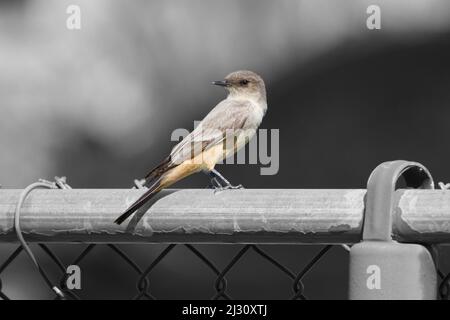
[23, 195]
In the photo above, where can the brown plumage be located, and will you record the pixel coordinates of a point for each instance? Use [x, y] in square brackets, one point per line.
[234, 119]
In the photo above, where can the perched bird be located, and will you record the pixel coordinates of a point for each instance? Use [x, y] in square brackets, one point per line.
[226, 129]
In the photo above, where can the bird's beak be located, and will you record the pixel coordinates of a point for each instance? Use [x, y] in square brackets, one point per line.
[222, 83]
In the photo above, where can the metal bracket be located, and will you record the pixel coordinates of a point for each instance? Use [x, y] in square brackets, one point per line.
[380, 194]
[381, 268]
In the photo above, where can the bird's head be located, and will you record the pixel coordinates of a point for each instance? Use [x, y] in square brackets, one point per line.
[244, 84]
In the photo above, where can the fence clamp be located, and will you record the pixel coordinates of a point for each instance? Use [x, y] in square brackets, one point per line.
[381, 268]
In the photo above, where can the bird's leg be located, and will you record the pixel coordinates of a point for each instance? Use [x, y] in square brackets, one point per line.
[225, 185]
[215, 184]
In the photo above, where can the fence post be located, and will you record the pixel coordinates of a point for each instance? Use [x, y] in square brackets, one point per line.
[381, 268]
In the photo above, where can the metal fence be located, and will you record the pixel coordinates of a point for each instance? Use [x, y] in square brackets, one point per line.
[143, 274]
[398, 233]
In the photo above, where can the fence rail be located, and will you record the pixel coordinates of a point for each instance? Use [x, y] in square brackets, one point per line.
[235, 216]
[393, 233]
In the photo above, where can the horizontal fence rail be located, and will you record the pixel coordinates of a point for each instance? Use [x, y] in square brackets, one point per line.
[232, 216]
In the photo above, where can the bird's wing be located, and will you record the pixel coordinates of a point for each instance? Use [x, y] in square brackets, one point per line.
[223, 122]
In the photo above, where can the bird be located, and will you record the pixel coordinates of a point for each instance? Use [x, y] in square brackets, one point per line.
[228, 127]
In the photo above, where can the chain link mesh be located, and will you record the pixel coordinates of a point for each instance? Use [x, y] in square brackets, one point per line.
[143, 287]
[220, 283]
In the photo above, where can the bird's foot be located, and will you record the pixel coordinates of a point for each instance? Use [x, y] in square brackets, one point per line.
[239, 186]
[227, 187]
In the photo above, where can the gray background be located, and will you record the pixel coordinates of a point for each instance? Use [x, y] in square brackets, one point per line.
[98, 105]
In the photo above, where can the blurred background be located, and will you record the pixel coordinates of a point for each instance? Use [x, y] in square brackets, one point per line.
[99, 104]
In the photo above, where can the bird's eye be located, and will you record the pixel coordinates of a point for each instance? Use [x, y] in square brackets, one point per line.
[243, 82]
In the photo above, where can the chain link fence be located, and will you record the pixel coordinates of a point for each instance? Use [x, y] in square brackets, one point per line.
[142, 274]
[52, 265]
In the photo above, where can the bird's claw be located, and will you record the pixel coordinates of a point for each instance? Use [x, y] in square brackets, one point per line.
[227, 187]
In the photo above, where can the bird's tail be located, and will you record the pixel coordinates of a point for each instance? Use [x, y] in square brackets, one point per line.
[161, 177]
[154, 179]
[150, 193]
